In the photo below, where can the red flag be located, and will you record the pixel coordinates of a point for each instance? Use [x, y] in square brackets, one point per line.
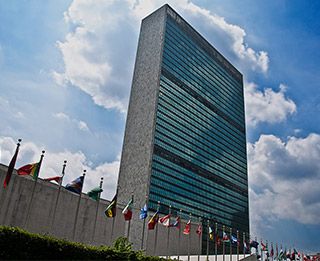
[199, 230]
[218, 240]
[11, 167]
[56, 179]
[187, 228]
[165, 220]
[153, 221]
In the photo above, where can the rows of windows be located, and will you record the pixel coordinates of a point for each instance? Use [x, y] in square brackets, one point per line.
[211, 194]
[204, 183]
[211, 140]
[175, 51]
[221, 156]
[194, 199]
[199, 52]
[201, 58]
[174, 134]
[186, 78]
[208, 125]
[180, 150]
[183, 98]
[157, 193]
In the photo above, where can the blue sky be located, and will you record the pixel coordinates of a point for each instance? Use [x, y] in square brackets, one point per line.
[66, 70]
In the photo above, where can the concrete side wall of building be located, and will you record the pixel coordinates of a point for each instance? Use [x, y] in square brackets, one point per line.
[135, 168]
[15, 201]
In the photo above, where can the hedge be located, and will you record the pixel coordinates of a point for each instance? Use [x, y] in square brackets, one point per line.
[16, 243]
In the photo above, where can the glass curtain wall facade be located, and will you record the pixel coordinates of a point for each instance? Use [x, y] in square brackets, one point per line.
[199, 161]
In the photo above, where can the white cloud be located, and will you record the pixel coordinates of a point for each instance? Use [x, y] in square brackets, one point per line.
[53, 161]
[98, 51]
[284, 180]
[81, 125]
[267, 105]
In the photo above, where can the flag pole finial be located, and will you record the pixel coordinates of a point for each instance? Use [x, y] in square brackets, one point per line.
[19, 140]
[84, 172]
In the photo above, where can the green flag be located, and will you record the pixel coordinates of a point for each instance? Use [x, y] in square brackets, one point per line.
[94, 193]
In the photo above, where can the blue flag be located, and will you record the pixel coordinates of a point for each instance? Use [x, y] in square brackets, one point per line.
[234, 240]
[144, 212]
[254, 244]
[75, 185]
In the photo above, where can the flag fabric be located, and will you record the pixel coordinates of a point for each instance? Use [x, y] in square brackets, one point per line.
[11, 167]
[165, 220]
[234, 240]
[127, 211]
[153, 221]
[264, 247]
[280, 256]
[199, 230]
[111, 210]
[245, 246]
[271, 251]
[75, 185]
[187, 228]
[211, 233]
[144, 212]
[30, 169]
[176, 223]
[218, 240]
[57, 179]
[225, 237]
[254, 244]
[94, 193]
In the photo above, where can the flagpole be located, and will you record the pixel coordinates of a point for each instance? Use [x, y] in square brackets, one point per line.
[223, 246]
[168, 234]
[156, 233]
[33, 190]
[97, 210]
[255, 239]
[129, 223]
[199, 241]
[111, 235]
[11, 166]
[261, 250]
[190, 215]
[272, 251]
[57, 198]
[208, 225]
[10, 169]
[230, 243]
[244, 244]
[77, 210]
[144, 225]
[180, 212]
[238, 243]
[215, 242]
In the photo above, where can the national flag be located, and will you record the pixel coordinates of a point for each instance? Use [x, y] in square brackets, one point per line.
[264, 247]
[153, 221]
[94, 193]
[176, 223]
[30, 169]
[57, 179]
[225, 237]
[144, 212]
[165, 220]
[111, 210]
[127, 211]
[199, 230]
[271, 251]
[218, 240]
[11, 167]
[187, 228]
[75, 185]
[281, 254]
[234, 240]
[245, 246]
[211, 233]
[254, 244]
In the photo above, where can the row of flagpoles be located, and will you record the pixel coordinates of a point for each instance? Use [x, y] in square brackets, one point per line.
[219, 240]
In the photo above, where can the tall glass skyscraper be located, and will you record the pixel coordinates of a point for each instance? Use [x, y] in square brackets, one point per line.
[185, 140]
